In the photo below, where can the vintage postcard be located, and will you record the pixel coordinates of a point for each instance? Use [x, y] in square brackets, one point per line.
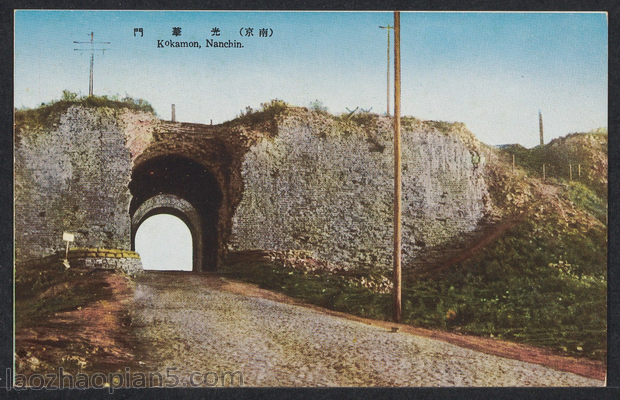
[304, 199]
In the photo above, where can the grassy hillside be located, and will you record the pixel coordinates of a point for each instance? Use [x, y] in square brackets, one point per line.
[586, 152]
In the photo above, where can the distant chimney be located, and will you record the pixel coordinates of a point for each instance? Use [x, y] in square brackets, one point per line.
[540, 123]
[174, 117]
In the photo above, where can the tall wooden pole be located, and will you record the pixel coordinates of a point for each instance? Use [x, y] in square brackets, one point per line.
[388, 66]
[90, 82]
[92, 59]
[388, 72]
[397, 172]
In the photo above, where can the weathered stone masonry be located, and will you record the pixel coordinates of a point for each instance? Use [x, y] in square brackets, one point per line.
[327, 187]
[96, 171]
[301, 181]
[127, 261]
[72, 177]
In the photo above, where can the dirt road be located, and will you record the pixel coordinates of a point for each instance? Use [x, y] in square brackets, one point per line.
[192, 323]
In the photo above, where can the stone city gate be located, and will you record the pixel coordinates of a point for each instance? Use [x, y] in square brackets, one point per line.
[191, 171]
[183, 188]
[296, 181]
[100, 173]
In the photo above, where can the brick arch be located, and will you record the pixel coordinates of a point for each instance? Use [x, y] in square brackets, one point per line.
[179, 207]
[220, 149]
[158, 184]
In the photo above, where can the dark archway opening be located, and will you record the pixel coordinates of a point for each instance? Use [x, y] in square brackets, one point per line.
[191, 182]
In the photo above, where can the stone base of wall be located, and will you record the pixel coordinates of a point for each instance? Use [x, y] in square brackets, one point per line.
[127, 261]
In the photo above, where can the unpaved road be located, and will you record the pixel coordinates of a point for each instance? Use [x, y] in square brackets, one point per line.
[188, 322]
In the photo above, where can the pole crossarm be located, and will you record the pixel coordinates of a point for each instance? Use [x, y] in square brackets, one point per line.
[92, 57]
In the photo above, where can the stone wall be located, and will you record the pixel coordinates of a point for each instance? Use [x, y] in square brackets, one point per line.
[72, 176]
[326, 186]
[126, 261]
[298, 181]
[73, 169]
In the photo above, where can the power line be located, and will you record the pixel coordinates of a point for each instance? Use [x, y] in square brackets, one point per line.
[92, 58]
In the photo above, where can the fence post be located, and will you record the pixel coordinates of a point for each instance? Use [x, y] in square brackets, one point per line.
[570, 171]
[544, 173]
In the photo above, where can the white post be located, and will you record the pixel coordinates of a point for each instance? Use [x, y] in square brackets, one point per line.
[68, 237]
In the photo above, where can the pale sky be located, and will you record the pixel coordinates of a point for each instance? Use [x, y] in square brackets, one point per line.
[164, 242]
[492, 71]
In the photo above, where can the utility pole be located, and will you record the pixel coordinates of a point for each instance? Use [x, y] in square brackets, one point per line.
[92, 59]
[388, 66]
[397, 172]
[540, 124]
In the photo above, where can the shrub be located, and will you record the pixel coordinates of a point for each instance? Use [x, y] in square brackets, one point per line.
[318, 107]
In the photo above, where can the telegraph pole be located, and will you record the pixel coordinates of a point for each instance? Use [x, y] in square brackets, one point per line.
[540, 125]
[397, 172]
[388, 66]
[92, 59]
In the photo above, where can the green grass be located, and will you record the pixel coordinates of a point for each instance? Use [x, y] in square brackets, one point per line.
[48, 114]
[74, 288]
[585, 198]
[535, 285]
[514, 290]
[558, 158]
[363, 118]
[267, 111]
[441, 126]
[330, 291]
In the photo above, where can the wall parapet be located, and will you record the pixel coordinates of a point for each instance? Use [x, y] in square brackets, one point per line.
[111, 259]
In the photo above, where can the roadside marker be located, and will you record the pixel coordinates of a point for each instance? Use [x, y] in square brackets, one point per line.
[68, 237]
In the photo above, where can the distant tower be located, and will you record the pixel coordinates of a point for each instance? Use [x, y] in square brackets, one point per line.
[174, 116]
[540, 123]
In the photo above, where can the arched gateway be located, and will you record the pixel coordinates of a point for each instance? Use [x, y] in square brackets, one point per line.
[179, 207]
[186, 189]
